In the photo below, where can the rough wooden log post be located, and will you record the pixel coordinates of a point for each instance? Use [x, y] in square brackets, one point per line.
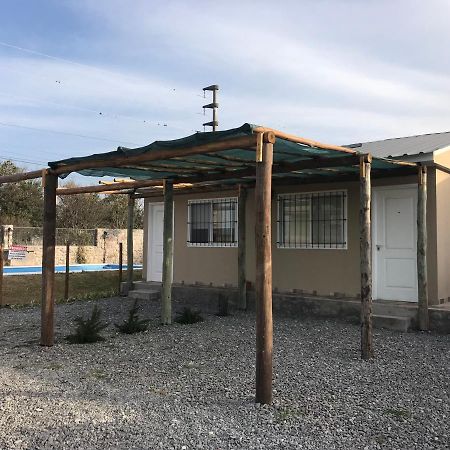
[130, 254]
[48, 259]
[66, 278]
[120, 267]
[422, 282]
[1, 273]
[366, 258]
[167, 269]
[263, 285]
[242, 278]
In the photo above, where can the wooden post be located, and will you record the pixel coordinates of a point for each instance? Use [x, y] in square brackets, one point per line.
[120, 267]
[130, 255]
[365, 257]
[48, 259]
[66, 278]
[1, 274]
[167, 269]
[422, 282]
[263, 286]
[242, 278]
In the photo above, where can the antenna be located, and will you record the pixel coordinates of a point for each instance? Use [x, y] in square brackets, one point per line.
[214, 105]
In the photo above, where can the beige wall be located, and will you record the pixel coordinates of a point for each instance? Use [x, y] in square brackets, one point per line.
[325, 271]
[106, 250]
[443, 225]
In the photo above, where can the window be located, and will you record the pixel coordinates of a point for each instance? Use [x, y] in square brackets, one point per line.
[312, 220]
[212, 223]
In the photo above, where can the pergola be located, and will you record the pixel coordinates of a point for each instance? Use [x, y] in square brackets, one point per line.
[248, 156]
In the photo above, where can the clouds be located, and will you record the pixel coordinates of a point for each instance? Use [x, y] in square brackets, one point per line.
[338, 71]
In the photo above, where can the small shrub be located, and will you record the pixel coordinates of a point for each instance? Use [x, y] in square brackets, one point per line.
[81, 255]
[188, 316]
[87, 331]
[133, 324]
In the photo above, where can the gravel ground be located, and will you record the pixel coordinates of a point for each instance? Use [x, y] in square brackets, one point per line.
[192, 386]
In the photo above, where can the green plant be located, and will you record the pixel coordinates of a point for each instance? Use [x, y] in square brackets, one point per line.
[188, 316]
[87, 331]
[133, 324]
[81, 255]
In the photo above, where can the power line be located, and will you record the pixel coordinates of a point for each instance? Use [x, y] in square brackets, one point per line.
[35, 163]
[84, 136]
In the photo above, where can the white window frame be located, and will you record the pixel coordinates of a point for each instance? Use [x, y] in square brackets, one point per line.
[212, 244]
[312, 246]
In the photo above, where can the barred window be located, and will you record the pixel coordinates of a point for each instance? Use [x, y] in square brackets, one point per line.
[312, 220]
[212, 223]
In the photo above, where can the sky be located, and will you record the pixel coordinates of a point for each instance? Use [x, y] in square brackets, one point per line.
[85, 76]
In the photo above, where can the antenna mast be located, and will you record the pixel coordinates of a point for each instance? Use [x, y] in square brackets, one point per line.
[214, 105]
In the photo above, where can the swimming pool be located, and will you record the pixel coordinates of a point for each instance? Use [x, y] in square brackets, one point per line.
[32, 270]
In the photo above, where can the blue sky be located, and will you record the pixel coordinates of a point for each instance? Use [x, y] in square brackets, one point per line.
[129, 72]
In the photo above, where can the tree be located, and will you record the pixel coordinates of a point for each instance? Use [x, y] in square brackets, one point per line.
[96, 211]
[21, 203]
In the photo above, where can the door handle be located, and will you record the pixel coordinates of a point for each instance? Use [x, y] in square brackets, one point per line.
[379, 247]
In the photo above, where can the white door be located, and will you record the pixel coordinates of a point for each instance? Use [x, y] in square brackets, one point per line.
[394, 243]
[155, 242]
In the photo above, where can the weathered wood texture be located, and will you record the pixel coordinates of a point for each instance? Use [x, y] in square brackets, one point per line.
[119, 290]
[48, 260]
[422, 282]
[105, 188]
[263, 286]
[66, 278]
[130, 228]
[21, 176]
[366, 259]
[242, 276]
[167, 269]
[1, 274]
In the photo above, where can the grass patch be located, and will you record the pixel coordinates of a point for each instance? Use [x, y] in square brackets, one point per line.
[396, 412]
[26, 289]
[87, 331]
[133, 324]
[99, 374]
[284, 414]
[188, 316]
[54, 366]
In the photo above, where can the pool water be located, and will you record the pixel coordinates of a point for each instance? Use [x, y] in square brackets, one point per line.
[29, 270]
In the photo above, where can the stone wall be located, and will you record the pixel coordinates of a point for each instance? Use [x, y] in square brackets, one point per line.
[106, 250]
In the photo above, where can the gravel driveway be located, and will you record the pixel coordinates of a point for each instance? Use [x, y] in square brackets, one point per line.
[191, 386]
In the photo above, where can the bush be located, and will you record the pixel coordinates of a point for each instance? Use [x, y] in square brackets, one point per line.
[133, 324]
[188, 316]
[87, 331]
[81, 257]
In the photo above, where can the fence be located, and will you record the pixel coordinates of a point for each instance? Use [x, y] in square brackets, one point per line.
[33, 236]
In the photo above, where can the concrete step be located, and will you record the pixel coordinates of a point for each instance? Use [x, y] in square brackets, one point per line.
[397, 323]
[144, 294]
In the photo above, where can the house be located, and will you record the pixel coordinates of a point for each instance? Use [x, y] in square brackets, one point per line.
[315, 223]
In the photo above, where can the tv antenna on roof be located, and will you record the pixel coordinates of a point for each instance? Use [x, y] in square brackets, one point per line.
[214, 105]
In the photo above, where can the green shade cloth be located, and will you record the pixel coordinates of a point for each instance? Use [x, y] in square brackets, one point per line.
[220, 162]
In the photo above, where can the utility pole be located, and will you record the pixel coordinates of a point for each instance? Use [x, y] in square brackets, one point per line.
[214, 105]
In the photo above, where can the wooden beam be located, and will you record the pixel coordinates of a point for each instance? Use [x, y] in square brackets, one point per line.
[242, 277]
[422, 281]
[263, 286]
[366, 258]
[167, 269]
[108, 187]
[119, 290]
[155, 155]
[48, 260]
[130, 253]
[301, 140]
[22, 176]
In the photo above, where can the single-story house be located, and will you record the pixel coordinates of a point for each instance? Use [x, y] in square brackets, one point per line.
[315, 237]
